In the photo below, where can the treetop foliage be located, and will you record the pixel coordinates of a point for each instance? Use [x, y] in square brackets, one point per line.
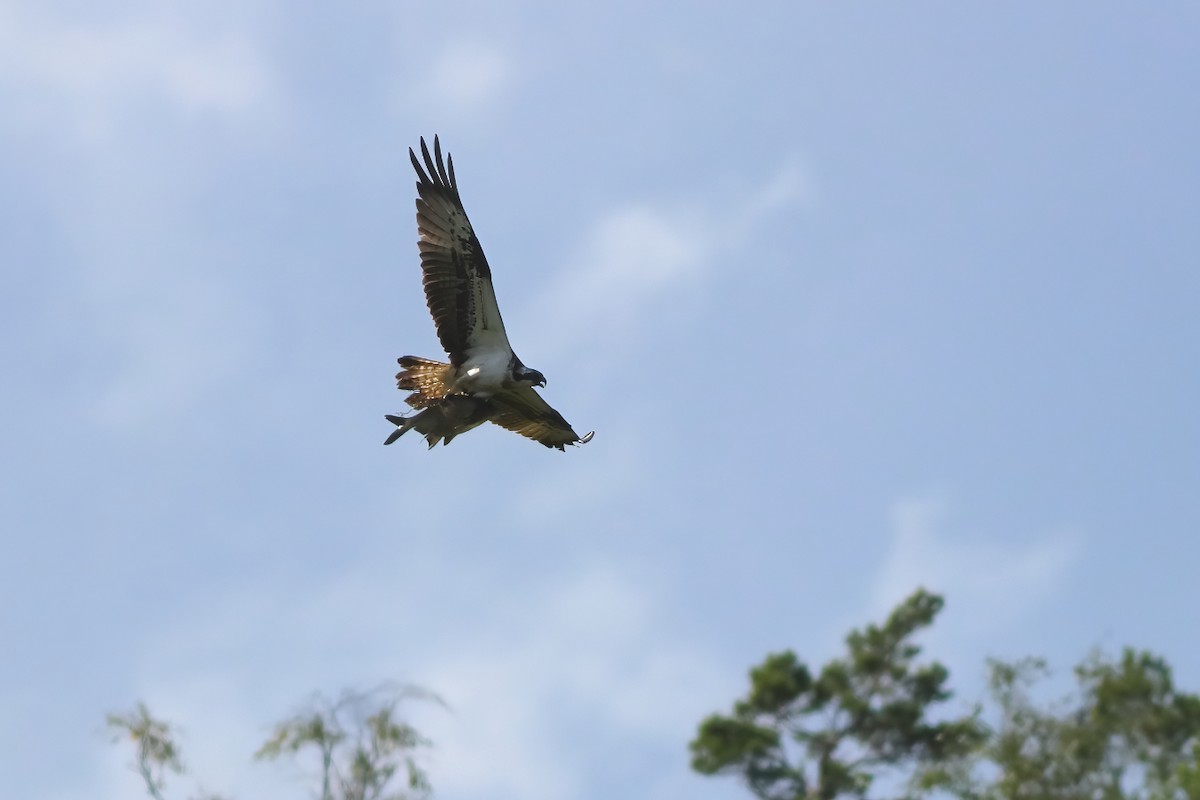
[864, 723]
[360, 742]
[799, 736]
[871, 723]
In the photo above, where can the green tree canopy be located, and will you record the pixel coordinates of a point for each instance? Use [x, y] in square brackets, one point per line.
[1125, 733]
[798, 735]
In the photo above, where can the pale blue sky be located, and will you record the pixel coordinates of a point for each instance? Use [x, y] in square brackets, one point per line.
[857, 297]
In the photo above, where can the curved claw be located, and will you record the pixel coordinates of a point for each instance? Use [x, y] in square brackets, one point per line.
[587, 437]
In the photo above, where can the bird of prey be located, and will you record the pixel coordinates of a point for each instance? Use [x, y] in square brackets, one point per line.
[484, 381]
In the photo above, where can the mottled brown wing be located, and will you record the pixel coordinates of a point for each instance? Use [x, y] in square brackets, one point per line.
[522, 410]
[458, 281]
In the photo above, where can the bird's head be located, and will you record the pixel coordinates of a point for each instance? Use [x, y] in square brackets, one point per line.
[523, 374]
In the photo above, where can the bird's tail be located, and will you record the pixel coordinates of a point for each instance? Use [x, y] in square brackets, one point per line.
[428, 380]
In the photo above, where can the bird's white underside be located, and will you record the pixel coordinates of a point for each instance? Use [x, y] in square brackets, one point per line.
[484, 372]
[486, 369]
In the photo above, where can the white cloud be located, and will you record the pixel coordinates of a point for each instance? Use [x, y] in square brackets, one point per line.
[590, 658]
[993, 583]
[637, 255]
[537, 675]
[465, 78]
[789, 185]
[468, 74]
[162, 318]
[639, 250]
[94, 69]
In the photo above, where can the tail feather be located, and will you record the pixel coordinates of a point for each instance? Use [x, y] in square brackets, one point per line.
[428, 380]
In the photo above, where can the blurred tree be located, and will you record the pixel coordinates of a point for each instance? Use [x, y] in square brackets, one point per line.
[1187, 777]
[863, 724]
[832, 735]
[156, 751]
[1126, 734]
[360, 743]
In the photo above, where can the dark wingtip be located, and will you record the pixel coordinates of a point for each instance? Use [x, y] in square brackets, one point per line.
[428, 160]
[433, 170]
[440, 164]
[417, 164]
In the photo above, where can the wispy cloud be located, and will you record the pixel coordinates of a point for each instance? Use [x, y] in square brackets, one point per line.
[97, 93]
[537, 675]
[465, 78]
[635, 266]
[637, 255]
[91, 70]
[590, 664]
[994, 582]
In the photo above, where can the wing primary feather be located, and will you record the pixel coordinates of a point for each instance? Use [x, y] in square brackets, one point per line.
[437, 158]
[441, 165]
[417, 164]
[428, 160]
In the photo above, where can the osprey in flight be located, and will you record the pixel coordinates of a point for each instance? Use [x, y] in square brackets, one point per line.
[484, 381]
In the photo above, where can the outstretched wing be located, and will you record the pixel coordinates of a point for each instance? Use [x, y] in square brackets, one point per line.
[458, 281]
[522, 410]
